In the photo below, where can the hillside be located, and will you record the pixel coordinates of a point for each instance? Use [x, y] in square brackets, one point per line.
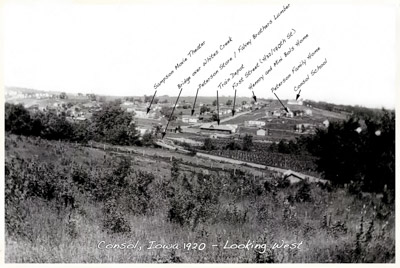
[88, 195]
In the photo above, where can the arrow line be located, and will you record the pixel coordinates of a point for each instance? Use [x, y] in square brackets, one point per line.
[217, 108]
[298, 95]
[194, 104]
[254, 97]
[286, 109]
[234, 102]
[170, 116]
[148, 108]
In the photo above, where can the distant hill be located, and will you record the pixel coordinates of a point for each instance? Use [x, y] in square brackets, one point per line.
[29, 90]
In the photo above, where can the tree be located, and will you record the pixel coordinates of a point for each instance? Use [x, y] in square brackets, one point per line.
[247, 142]
[233, 145]
[63, 96]
[244, 102]
[229, 103]
[91, 96]
[214, 117]
[208, 144]
[147, 139]
[378, 154]
[149, 98]
[81, 131]
[204, 109]
[17, 119]
[214, 103]
[365, 156]
[114, 125]
[51, 126]
[166, 111]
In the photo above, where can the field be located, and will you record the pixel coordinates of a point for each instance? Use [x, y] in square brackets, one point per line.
[304, 164]
[64, 199]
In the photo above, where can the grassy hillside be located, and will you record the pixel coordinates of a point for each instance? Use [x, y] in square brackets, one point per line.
[62, 200]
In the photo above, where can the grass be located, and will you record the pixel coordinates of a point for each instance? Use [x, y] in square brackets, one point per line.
[329, 223]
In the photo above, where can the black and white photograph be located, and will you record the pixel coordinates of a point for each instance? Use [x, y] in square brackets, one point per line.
[199, 132]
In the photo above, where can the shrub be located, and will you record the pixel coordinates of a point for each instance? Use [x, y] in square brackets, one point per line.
[191, 201]
[114, 220]
[304, 192]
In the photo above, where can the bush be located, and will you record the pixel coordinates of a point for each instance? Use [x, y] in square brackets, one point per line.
[304, 192]
[191, 202]
[114, 220]
[17, 119]
[208, 144]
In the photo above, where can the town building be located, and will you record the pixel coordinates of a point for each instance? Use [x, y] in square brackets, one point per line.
[189, 119]
[261, 132]
[295, 102]
[214, 127]
[254, 123]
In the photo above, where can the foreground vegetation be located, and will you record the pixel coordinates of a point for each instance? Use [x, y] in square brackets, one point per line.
[63, 199]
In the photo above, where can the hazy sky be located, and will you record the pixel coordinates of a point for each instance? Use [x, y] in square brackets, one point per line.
[124, 49]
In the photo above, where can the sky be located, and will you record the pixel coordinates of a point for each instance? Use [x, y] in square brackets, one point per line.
[124, 49]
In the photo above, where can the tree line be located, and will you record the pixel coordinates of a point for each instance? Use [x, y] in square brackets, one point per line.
[111, 124]
[359, 150]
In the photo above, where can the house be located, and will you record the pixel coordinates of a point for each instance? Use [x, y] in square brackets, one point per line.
[80, 118]
[289, 114]
[189, 119]
[254, 123]
[142, 114]
[143, 131]
[305, 127]
[261, 132]
[214, 127]
[225, 111]
[295, 102]
[308, 112]
[218, 135]
[293, 176]
[298, 113]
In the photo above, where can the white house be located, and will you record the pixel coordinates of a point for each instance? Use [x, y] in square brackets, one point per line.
[143, 131]
[254, 123]
[261, 132]
[219, 128]
[289, 114]
[295, 102]
[189, 119]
